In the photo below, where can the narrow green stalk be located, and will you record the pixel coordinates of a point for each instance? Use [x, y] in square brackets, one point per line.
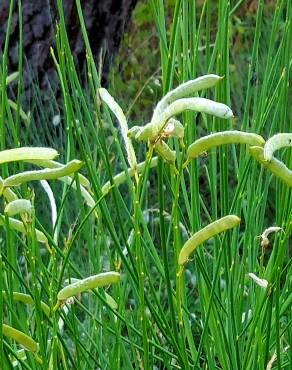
[165, 251]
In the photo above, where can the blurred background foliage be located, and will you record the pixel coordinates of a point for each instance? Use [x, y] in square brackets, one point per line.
[135, 77]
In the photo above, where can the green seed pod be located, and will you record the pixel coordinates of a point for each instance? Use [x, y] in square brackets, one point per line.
[46, 174]
[277, 142]
[120, 178]
[221, 138]
[165, 152]
[18, 206]
[174, 128]
[92, 282]
[24, 340]
[186, 89]
[19, 226]
[148, 132]
[27, 153]
[109, 299]
[153, 129]
[216, 227]
[134, 131]
[53, 164]
[7, 193]
[104, 95]
[278, 168]
[25, 117]
[27, 299]
[13, 76]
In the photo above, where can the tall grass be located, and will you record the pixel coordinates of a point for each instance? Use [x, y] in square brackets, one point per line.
[211, 315]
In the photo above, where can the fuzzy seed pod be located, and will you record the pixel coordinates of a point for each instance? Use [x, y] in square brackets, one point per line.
[205, 143]
[92, 282]
[277, 142]
[216, 227]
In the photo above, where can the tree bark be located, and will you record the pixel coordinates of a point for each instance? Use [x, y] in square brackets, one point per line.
[105, 22]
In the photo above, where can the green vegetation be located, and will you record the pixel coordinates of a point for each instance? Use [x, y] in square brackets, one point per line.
[152, 253]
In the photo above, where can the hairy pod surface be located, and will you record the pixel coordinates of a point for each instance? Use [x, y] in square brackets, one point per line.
[216, 227]
[205, 143]
[202, 105]
[27, 153]
[165, 152]
[278, 168]
[7, 193]
[109, 299]
[134, 131]
[46, 174]
[276, 142]
[264, 236]
[53, 164]
[92, 282]
[174, 128]
[18, 206]
[184, 90]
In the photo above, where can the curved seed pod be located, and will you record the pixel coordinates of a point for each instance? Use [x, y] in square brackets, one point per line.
[216, 227]
[165, 152]
[21, 338]
[184, 90]
[13, 76]
[120, 178]
[221, 138]
[276, 167]
[276, 142]
[46, 174]
[174, 128]
[27, 299]
[27, 153]
[18, 206]
[134, 131]
[272, 229]
[92, 282]
[25, 117]
[7, 193]
[109, 299]
[263, 283]
[118, 112]
[153, 129]
[53, 164]
[19, 226]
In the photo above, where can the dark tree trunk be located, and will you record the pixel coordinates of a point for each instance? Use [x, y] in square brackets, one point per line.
[105, 21]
